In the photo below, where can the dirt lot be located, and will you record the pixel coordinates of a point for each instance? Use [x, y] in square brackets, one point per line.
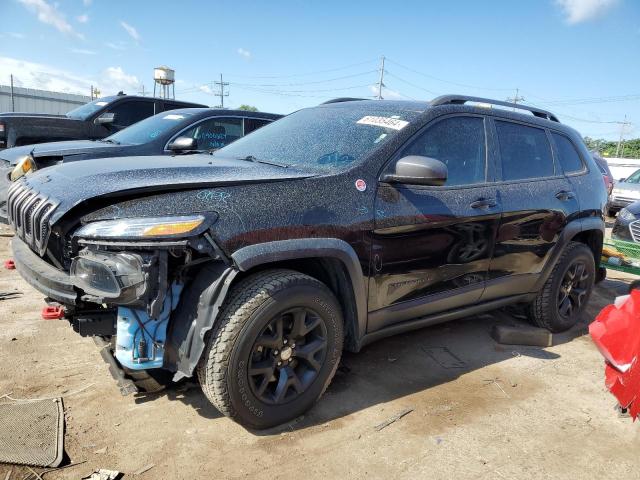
[502, 412]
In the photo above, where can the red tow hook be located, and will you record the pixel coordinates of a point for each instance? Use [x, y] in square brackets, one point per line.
[9, 264]
[52, 312]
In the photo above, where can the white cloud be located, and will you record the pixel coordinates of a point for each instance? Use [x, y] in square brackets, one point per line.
[116, 45]
[244, 53]
[19, 36]
[205, 89]
[133, 33]
[82, 18]
[387, 93]
[87, 2]
[577, 11]
[50, 15]
[82, 51]
[46, 77]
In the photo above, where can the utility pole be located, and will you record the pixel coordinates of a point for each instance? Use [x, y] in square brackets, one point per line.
[620, 140]
[143, 93]
[517, 98]
[381, 81]
[13, 105]
[221, 93]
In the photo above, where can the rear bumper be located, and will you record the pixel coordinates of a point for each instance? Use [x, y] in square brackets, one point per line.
[45, 278]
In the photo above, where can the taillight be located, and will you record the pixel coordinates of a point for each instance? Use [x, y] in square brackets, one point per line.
[1, 127]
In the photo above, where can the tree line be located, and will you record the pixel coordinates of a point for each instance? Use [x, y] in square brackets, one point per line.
[608, 148]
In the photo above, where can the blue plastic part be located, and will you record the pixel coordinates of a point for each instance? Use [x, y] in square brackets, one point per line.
[129, 333]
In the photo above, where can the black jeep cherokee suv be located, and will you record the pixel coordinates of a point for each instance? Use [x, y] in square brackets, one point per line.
[332, 227]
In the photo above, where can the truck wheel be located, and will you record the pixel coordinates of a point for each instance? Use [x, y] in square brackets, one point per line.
[274, 348]
[611, 212]
[565, 294]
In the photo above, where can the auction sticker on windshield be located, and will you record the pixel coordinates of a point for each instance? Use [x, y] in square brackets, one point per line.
[386, 122]
[173, 116]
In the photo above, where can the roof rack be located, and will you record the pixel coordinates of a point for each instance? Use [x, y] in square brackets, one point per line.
[342, 99]
[462, 99]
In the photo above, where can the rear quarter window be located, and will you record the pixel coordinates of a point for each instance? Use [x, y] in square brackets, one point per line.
[567, 154]
[525, 151]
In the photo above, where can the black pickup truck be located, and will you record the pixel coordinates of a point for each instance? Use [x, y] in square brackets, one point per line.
[91, 121]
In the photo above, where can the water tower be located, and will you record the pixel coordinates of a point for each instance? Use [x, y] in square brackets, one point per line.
[165, 79]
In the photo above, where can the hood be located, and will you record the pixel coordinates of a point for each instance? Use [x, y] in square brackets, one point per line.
[634, 208]
[69, 184]
[629, 187]
[56, 149]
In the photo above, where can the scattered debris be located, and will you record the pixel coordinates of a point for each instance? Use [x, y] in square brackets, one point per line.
[100, 451]
[496, 382]
[444, 357]
[10, 295]
[391, 359]
[34, 473]
[522, 335]
[10, 264]
[8, 475]
[103, 474]
[146, 468]
[393, 419]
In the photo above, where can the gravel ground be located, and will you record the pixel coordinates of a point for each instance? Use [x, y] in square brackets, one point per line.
[497, 412]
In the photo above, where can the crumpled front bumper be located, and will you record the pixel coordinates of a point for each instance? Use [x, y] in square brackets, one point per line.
[45, 278]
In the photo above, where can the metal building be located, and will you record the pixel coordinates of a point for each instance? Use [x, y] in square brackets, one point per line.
[30, 100]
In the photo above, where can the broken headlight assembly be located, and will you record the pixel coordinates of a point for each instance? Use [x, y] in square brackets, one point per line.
[143, 227]
[25, 165]
[114, 276]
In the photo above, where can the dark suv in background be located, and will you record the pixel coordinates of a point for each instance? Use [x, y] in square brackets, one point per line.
[94, 120]
[331, 228]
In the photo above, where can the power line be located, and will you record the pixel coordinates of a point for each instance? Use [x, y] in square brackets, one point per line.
[410, 83]
[449, 81]
[305, 74]
[297, 84]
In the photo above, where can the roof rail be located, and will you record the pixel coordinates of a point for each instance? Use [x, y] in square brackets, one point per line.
[462, 99]
[342, 99]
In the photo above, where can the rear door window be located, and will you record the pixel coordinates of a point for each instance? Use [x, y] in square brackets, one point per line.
[567, 154]
[215, 133]
[132, 111]
[251, 124]
[458, 142]
[524, 150]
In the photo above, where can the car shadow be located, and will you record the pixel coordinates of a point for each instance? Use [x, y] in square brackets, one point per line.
[405, 364]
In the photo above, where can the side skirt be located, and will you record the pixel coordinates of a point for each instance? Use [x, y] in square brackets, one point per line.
[442, 317]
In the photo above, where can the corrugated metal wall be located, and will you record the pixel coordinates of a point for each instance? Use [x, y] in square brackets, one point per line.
[39, 101]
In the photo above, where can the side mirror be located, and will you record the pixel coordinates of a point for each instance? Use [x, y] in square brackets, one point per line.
[183, 144]
[417, 170]
[105, 119]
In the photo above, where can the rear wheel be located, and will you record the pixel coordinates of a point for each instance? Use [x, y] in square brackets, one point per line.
[274, 350]
[565, 294]
[611, 212]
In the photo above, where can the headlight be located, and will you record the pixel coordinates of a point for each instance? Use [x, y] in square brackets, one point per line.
[24, 166]
[109, 275]
[626, 215]
[151, 227]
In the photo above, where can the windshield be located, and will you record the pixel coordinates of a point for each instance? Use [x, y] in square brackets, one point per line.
[150, 128]
[326, 139]
[88, 109]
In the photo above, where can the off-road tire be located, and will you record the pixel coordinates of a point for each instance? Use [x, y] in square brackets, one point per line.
[223, 370]
[543, 311]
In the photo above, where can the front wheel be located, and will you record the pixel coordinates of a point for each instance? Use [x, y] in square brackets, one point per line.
[274, 349]
[565, 294]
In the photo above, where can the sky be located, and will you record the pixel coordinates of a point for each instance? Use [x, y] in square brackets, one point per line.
[577, 58]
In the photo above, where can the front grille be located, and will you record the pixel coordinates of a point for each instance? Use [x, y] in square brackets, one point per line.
[29, 213]
[634, 228]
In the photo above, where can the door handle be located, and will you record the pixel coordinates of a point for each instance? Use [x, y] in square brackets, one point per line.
[565, 195]
[483, 203]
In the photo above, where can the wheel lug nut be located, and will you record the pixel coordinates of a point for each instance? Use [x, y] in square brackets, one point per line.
[285, 341]
[293, 345]
[279, 363]
[276, 352]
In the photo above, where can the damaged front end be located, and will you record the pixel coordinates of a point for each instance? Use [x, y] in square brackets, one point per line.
[121, 281]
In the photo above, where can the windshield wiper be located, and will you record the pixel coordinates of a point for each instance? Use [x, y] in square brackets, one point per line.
[251, 158]
[110, 140]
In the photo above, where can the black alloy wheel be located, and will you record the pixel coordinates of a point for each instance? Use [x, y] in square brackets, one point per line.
[287, 356]
[573, 289]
